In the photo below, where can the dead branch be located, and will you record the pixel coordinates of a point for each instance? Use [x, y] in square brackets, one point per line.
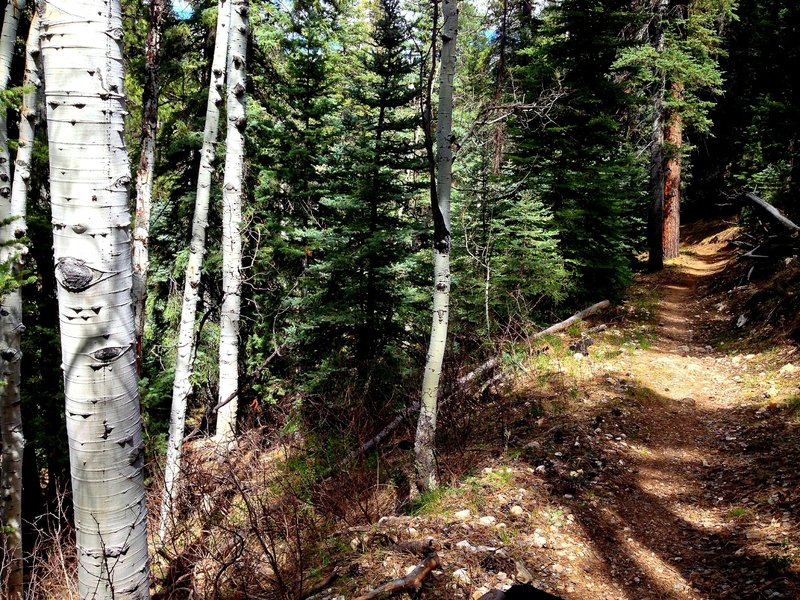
[416, 547]
[574, 318]
[490, 364]
[410, 583]
[320, 586]
[769, 211]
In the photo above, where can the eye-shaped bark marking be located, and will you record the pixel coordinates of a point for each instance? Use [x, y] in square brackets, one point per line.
[10, 354]
[76, 276]
[106, 356]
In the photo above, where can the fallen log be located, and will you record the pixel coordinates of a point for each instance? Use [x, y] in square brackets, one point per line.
[579, 316]
[769, 211]
[410, 583]
[490, 364]
[404, 414]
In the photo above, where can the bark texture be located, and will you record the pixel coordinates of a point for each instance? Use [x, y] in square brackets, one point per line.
[90, 179]
[232, 198]
[425, 461]
[672, 177]
[144, 174]
[191, 290]
[655, 217]
[12, 228]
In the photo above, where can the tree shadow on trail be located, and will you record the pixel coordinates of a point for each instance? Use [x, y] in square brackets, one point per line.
[697, 501]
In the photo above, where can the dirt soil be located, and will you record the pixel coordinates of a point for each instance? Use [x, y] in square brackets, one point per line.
[644, 456]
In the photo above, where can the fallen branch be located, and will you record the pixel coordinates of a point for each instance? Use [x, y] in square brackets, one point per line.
[573, 319]
[320, 586]
[410, 583]
[404, 414]
[490, 364]
[767, 210]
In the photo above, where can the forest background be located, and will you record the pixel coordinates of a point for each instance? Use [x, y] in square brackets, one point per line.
[564, 112]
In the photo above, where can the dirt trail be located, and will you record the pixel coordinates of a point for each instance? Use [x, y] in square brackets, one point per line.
[684, 526]
[653, 465]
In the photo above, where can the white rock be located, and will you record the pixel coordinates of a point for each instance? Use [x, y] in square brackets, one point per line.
[539, 541]
[517, 510]
[461, 576]
[488, 520]
[462, 515]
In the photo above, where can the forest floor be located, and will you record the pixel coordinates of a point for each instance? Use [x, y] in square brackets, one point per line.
[648, 454]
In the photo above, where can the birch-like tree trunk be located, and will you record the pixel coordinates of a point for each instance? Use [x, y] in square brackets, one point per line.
[144, 174]
[89, 182]
[181, 387]
[425, 461]
[12, 228]
[232, 198]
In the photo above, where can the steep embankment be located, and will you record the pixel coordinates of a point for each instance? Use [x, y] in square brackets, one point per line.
[645, 462]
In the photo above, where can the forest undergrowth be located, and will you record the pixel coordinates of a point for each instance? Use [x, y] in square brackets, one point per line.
[646, 453]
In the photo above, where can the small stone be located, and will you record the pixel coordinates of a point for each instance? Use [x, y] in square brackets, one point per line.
[479, 593]
[461, 577]
[462, 515]
[788, 368]
[465, 545]
[487, 521]
[517, 510]
[539, 541]
[522, 575]
[501, 576]
[577, 356]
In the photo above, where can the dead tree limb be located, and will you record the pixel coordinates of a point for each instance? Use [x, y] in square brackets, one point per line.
[769, 211]
[410, 583]
[490, 364]
[574, 319]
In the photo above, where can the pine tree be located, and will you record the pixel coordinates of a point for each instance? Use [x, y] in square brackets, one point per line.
[358, 290]
[578, 159]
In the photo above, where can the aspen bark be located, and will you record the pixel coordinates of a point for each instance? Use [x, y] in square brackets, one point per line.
[232, 198]
[185, 351]
[425, 461]
[12, 229]
[90, 179]
[144, 174]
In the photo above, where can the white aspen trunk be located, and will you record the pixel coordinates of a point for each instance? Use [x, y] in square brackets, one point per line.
[185, 350]
[89, 178]
[232, 198]
[144, 174]
[8, 43]
[12, 228]
[425, 461]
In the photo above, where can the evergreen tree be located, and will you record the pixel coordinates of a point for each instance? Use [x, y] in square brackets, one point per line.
[578, 160]
[359, 290]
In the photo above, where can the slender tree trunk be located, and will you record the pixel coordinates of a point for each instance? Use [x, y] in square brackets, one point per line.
[672, 178]
[12, 228]
[232, 198]
[185, 351]
[426, 427]
[655, 218]
[499, 126]
[144, 174]
[90, 177]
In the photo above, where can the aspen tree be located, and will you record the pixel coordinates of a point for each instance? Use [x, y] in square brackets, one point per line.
[12, 229]
[182, 386]
[147, 159]
[232, 198]
[89, 182]
[425, 461]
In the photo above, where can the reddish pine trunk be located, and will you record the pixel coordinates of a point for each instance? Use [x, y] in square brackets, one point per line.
[672, 179]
